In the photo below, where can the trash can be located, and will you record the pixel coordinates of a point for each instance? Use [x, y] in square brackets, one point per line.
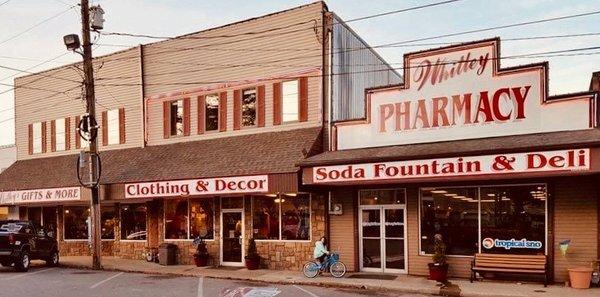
[167, 254]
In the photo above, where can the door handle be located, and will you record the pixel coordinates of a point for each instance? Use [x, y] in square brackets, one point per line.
[240, 240]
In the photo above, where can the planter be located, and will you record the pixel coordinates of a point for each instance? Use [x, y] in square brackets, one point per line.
[580, 277]
[201, 260]
[438, 272]
[252, 263]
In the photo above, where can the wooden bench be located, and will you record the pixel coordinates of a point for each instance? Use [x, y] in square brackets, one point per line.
[521, 264]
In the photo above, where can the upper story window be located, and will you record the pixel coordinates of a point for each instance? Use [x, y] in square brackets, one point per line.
[248, 107]
[113, 128]
[37, 138]
[176, 119]
[60, 136]
[211, 112]
[290, 100]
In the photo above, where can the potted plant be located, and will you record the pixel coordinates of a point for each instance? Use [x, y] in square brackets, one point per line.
[438, 270]
[201, 254]
[252, 257]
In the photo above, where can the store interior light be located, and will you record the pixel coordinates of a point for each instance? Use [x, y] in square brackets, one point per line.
[271, 195]
[439, 192]
[291, 194]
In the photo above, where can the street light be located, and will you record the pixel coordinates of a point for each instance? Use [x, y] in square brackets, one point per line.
[72, 42]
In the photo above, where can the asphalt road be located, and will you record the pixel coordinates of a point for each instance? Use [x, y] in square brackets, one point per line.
[66, 282]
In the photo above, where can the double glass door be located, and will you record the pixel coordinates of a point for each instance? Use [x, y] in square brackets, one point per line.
[382, 238]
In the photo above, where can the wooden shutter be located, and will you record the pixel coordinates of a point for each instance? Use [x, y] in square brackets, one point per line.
[105, 128]
[166, 119]
[44, 146]
[223, 111]
[30, 141]
[277, 104]
[237, 109]
[53, 136]
[303, 99]
[121, 125]
[186, 116]
[67, 134]
[260, 102]
[201, 115]
[77, 137]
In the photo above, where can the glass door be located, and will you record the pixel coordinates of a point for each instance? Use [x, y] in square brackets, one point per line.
[382, 238]
[232, 234]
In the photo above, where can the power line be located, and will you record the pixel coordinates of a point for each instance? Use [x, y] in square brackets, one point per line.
[36, 25]
[399, 11]
[37, 100]
[531, 55]
[4, 2]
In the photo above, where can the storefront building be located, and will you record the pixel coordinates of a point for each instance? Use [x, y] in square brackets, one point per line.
[472, 151]
[190, 148]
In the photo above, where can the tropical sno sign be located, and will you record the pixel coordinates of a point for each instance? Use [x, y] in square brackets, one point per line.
[490, 243]
[461, 92]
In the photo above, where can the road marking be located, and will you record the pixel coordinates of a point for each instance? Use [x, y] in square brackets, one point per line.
[306, 291]
[200, 287]
[101, 282]
[27, 274]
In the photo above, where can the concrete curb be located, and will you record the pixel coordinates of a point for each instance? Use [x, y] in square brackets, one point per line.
[259, 279]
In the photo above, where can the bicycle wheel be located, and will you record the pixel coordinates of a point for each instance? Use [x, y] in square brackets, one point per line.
[310, 269]
[338, 269]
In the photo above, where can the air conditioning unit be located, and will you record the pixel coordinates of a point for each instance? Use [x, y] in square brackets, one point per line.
[335, 209]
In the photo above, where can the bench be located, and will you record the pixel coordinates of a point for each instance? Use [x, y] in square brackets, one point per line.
[520, 264]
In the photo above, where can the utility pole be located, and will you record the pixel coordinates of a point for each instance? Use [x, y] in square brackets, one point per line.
[88, 70]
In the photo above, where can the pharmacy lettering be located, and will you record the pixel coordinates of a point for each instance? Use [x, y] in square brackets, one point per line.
[195, 187]
[460, 92]
[562, 160]
[40, 195]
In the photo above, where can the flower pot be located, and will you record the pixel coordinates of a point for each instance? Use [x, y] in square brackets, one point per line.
[200, 260]
[252, 263]
[438, 272]
[580, 277]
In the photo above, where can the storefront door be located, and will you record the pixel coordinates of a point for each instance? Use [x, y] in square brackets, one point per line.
[232, 237]
[382, 238]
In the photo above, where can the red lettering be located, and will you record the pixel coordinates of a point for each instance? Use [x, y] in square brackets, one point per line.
[385, 112]
[496, 104]
[520, 99]
[556, 161]
[402, 115]
[536, 161]
[439, 111]
[484, 108]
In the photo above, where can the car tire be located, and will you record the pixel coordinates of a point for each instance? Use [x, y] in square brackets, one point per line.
[6, 264]
[22, 263]
[53, 259]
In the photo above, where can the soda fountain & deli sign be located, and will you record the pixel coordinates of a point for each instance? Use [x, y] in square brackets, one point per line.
[563, 160]
[195, 187]
[460, 92]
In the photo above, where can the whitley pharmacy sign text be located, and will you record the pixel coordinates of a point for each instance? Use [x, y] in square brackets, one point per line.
[563, 160]
[41, 195]
[458, 93]
[194, 187]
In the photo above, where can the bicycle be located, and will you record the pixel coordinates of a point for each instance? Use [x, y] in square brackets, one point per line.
[337, 268]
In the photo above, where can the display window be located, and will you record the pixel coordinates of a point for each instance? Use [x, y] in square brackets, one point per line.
[281, 217]
[187, 219]
[76, 222]
[107, 222]
[507, 219]
[133, 222]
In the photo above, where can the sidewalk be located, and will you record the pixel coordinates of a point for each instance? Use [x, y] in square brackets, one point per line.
[405, 284]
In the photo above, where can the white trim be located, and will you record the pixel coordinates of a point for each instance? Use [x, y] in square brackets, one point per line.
[545, 184]
[133, 241]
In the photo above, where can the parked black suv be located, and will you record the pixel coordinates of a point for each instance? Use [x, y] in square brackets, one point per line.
[21, 242]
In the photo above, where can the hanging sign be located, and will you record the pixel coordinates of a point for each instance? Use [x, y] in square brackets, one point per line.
[203, 186]
[41, 195]
[460, 92]
[562, 160]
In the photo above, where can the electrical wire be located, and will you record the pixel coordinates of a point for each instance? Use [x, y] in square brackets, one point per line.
[37, 25]
[4, 2]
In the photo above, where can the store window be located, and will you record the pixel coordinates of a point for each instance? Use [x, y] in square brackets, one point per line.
[133, 222]
[107, 222]
[113, 126]
[295, 218]
[453, 213]
[211, 112]
[34, 215]
[249, 107]
[76, 219]
[281, 217]
[176, 219]
[37, 137]
[513, 219]
[176, 117]
[202, 218]
[59, 136]
[290, 95]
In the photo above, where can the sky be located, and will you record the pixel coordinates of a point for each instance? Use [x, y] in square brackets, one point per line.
[31, 31]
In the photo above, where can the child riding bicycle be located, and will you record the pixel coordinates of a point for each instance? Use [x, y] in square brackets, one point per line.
[321, 251]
